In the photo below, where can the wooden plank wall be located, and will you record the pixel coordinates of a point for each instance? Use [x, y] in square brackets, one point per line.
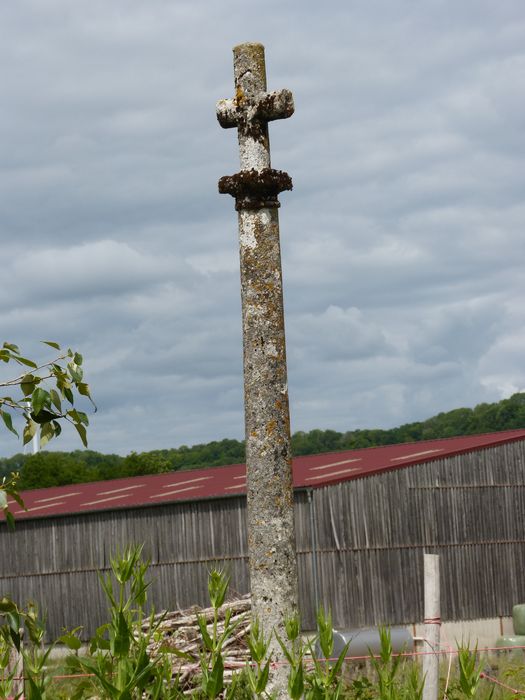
[370, 536]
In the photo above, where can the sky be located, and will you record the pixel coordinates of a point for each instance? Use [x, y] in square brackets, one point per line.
[402, 242]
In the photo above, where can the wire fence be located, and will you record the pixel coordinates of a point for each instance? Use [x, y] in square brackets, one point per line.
[445, 652]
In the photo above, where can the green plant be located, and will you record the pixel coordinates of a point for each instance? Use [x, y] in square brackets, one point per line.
[386, 667]
[119, 661]
[394, 679]
[258, 671]
[469, 678]
[28, 624]
[213, 641]
[294, 653]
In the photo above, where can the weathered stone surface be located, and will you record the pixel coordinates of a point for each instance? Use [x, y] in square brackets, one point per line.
[256, 189]
[270, 512]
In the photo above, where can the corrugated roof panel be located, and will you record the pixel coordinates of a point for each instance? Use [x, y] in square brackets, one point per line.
[311, 471]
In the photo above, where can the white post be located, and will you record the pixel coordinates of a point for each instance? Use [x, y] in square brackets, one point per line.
[36, 441]
[432, 624]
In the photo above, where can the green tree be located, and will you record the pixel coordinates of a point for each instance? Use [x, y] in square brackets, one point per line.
[46, 469]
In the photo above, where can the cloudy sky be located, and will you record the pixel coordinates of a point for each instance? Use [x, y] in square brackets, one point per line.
[403, 240]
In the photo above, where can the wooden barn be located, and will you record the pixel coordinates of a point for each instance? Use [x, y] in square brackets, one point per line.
[364, 519]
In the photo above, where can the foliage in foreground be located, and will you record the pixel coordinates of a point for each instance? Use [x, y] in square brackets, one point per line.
[42, 396]
[120, 666]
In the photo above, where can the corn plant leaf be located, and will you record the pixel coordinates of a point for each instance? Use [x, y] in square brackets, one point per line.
[296, 681]
[285, 649]
[336, 668]
[215, 680]
[122, 639]
[201, 621]
[262, 680]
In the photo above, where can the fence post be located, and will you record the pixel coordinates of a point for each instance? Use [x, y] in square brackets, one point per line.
[432, 624]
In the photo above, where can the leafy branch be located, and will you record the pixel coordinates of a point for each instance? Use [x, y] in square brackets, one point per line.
[43, 390]
[45, 397]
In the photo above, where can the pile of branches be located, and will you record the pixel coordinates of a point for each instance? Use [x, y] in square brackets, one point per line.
[179, 636]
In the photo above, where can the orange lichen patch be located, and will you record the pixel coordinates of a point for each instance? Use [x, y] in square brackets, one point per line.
[271, 427]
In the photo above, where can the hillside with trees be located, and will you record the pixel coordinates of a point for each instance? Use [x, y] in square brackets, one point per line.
[60, 468]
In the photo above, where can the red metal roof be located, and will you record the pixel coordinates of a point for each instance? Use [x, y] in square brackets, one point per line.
[309, 472]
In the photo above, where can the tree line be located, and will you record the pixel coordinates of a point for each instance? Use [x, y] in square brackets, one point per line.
[60, 468]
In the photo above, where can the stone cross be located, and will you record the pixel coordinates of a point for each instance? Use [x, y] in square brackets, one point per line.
[270, 504]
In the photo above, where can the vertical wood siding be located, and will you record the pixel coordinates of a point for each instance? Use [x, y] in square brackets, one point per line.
[370, 533]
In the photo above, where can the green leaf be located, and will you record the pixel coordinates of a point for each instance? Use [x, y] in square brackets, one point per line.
[201, 621]
[83, 389]
[296, 682]
[123, 634]
[47, 432]
[218, 582]
[262, 681]
[215, 682]
[73, 413]
[83, 417]
[39, 399]
[43, 417]
[51, 344]
[55, 400]
[340, 660]
[28, 383]
[3, 499]
[12, 347]
[166, 647]
[25, 361]
[10, 518]
[82, 432]
[16, 497]
[77, 358]
[7, 605]
[75, 372]
[285, 649]
[6, 417]
[29, 431]
[71, 641]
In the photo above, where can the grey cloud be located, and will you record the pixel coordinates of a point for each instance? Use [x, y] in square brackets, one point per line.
[402, 240]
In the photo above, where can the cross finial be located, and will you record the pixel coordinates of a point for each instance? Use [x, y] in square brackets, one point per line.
[257, 185]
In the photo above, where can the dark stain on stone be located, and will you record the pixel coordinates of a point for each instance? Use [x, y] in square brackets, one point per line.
[256, 189]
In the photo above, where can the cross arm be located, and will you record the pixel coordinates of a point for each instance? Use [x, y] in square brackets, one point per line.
[268, 106]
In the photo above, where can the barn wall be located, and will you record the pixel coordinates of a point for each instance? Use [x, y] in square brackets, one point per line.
[370, 536]
[469, 509]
